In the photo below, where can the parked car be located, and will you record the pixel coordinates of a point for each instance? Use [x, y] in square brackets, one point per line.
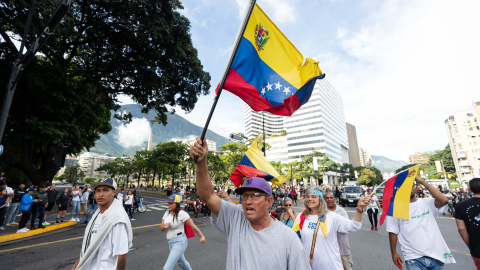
[379, 194]
[64, 183]
[80, 185]
[351, 195]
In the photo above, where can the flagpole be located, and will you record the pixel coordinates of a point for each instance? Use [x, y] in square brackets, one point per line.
[238, 39]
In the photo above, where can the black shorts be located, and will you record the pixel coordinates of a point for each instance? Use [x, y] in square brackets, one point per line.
[62, 208]
[49, 207]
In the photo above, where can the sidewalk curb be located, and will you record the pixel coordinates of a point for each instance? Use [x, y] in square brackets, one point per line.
[16, 236]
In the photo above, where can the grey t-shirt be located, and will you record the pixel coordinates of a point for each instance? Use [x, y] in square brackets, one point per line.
[275, 247]
[342, 237]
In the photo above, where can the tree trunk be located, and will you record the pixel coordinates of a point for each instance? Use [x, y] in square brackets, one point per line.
[48, 167]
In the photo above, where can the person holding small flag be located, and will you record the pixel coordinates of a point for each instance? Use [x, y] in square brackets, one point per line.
[179, 227]
[422, 243]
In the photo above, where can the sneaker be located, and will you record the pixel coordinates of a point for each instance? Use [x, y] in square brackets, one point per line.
[41, 227]
[72, 219]
[14, 223]
[33, 228]
[8, 225]
[376, 229]
[46, 223]
[57, 222]
[78, 220]
[85, 222]
[2, 229]
[25, 229]
[21, 231]
[19, 215]
[132, 219]
[371, 228]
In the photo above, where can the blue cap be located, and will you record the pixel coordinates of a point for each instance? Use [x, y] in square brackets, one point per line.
[105, 182]
[32, 189]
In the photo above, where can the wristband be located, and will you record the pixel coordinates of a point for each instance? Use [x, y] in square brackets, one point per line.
[361, 212]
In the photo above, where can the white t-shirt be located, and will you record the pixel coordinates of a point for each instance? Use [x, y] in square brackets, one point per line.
[326, 254]
[419, 235]
[129, 200]
[114, 244]
[76, 198]
[373, 201]
[120, 197]
[176, 226]
[9, 190]
[448, 195]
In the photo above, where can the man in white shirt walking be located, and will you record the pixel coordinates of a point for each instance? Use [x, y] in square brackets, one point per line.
[108, 235]
[420, 238]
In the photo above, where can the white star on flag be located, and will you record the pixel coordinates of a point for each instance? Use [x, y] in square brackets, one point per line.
[287, 89]
[263, 91]
[269, 86]
[278, 85]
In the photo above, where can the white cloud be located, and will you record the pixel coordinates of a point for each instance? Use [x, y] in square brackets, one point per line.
[280, 11]
[134, 134]
[189, 137]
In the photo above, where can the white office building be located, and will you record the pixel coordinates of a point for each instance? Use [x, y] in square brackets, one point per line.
[89, 162]
[463, 132]
[365, 158]
[254, 122]
[319, 125]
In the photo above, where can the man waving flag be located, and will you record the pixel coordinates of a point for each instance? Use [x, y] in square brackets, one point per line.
[268, 72]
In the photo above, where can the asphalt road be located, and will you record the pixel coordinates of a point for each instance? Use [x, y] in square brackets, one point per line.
[60, 249]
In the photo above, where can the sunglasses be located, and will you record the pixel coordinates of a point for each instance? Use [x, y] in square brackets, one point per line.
[288, 205]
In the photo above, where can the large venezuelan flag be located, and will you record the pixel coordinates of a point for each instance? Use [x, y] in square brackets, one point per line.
[254, 164]
[396, 195]
[268, 72]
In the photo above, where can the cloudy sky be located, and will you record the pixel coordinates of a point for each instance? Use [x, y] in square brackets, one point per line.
[402, 67]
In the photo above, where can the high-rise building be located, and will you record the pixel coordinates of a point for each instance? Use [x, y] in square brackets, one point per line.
[419, 158]
[150, 141]
[89, 162]
[353, 155]
[365, 158]
[463, 132]
[254, 122]
[212, 145]
[319, 125]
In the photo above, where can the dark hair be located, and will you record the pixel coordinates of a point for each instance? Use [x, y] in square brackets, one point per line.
[329, 192]
[475, 185]
[177, 209]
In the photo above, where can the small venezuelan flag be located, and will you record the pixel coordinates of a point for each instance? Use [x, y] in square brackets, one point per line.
[254, 164]
[396, 194]
[268, 72]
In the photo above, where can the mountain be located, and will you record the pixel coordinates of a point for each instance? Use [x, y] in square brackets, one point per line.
[386, 165]
[176, 129]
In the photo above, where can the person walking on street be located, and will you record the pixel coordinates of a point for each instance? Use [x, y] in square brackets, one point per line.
[62, 202]
[25, 207]
[318, 228]
[39, 208]
[10, 194]
[84, 200]
[249, 229]
[174, 221]
[467, 217]
[51, 199]
[342, 238]
[108, 235]
[422, 243]
[76, 194]
[92, 205]
[15, 205]
[373, 209]
[3, 204]
[289, 216]
[128, 204]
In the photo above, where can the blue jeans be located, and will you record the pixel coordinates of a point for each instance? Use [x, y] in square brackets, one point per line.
[14, 209]
[424, 263]
[36, 210]
[177, 246]
[6, 210]
[93, 208]
[128, 208]
[75, 207]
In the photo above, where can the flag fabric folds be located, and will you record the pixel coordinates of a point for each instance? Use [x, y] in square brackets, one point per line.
[254, 164]
[298, 225]
[396, 194]
[268, 72]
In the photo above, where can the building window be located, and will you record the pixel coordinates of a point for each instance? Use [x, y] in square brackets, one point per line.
[469, 114]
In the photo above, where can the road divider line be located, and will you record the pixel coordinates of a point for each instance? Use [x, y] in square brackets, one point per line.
[16, 236]
[70, 239]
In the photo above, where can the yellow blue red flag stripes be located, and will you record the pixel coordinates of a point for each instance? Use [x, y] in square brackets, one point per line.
[254, 164]
[396, 194]
[268, 72]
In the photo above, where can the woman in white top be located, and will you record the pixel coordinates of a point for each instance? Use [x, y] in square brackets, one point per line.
[322, 248]
[373, 209]
[174, 222]
[128, 199]
[76, 194]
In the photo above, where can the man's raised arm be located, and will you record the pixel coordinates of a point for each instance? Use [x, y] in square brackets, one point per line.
[204, 185]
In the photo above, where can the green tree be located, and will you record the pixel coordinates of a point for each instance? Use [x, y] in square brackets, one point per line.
[367, 177]
[73, 173]
[216, 166]
[140, 164]
[102, 49]
[89, 180]
[174, 154]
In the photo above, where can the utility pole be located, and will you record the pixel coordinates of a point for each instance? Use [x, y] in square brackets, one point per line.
[23, 60]
[264, 149]
[445, 175]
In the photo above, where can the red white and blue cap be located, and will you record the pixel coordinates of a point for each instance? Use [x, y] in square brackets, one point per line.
[105, 182]
[173, 198]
